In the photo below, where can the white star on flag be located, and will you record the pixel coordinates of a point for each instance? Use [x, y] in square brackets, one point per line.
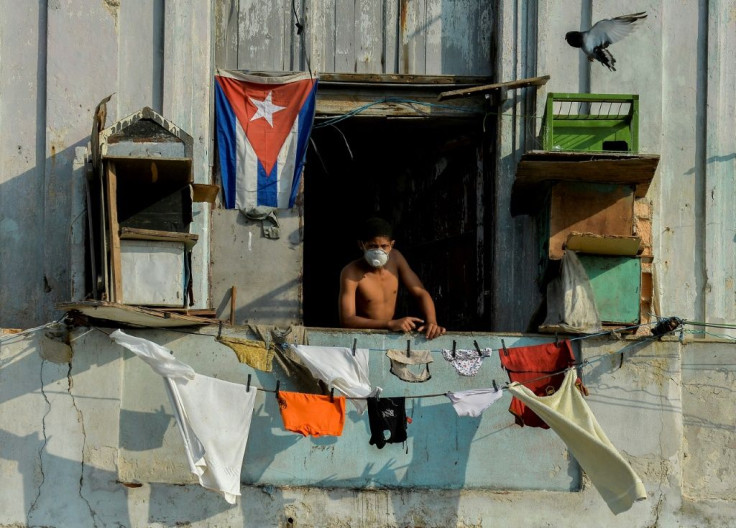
[266, 109]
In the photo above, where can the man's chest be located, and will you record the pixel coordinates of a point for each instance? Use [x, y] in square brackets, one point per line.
[378, 287]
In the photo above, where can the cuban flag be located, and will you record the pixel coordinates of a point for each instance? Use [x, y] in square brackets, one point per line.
[263, 127]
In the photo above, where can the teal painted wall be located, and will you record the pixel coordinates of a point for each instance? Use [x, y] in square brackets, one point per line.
[616, 284]
[442, 451]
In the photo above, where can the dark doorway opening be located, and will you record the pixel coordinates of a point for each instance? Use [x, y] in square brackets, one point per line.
[427, 177]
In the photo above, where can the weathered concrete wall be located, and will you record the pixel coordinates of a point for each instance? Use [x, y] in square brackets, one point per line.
[22, 158]
[70, 433]
[94, 443]
[676, 62]
[59, 59]
[266, 272]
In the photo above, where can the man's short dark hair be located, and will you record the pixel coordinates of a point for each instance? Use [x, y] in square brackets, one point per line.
[375, 227]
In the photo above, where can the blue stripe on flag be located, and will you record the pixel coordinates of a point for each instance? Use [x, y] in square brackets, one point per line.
[268, 186]
[306, 118]
[227, 145]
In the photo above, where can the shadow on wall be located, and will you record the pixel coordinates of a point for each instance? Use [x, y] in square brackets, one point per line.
[56, 488]
[35, 236]
[25, 365]
[268, 307]
[713, 159]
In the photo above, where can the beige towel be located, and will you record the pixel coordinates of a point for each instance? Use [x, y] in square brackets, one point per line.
[568, 415]
[252, 353]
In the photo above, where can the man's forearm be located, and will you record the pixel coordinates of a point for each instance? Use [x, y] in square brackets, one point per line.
[356, 321]
[427, 306]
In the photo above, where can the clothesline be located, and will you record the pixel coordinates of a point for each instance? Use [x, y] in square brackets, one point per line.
[197, 398]
[576, 365]
[577, 338]
[580, 364]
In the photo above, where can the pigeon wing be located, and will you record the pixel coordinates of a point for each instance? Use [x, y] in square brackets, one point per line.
[610, 30]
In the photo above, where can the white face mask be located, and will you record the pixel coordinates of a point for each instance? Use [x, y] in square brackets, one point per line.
[375, 257]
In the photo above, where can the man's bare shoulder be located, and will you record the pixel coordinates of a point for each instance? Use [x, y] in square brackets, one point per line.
[353, 270]
[398, 259]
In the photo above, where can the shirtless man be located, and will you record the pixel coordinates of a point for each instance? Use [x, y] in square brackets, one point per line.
[369, 286]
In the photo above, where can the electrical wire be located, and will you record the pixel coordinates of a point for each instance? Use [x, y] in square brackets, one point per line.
[23, 333]
[392, 100]
[580, 364]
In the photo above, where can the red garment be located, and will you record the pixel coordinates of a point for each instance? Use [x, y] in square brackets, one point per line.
[533, 362]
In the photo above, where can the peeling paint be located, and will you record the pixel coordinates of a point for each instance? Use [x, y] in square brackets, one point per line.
[9, 229]
[112, 7]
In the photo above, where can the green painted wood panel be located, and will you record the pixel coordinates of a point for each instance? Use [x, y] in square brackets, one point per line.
[616, 283]
[588, 122]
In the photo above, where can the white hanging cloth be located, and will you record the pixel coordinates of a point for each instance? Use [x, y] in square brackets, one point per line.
[338, 368]
[213, 416]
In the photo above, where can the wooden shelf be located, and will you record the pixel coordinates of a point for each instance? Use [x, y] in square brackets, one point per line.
[139, 316]
[131, 233]
[603, 244]
[539, 169]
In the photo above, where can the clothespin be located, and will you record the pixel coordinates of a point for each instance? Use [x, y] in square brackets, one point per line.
[495, 387]
[408, 348]
[278, 385]
[505, 350]
[219, 330]
[355, 344]
[454, 347]
[477, 347]
[332, 394]
[247, 387]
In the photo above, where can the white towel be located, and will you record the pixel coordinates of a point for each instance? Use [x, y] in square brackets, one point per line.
[568, 415]
[159, 358]
[474, 401]
[214, 419]
[338, 368]
[213, 416]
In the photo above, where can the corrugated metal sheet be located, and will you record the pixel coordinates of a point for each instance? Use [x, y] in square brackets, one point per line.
[357, 36]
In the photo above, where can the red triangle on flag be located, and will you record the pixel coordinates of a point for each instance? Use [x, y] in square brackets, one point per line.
[254, 104]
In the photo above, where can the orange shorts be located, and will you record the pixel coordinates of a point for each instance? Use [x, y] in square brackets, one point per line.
[312, 414]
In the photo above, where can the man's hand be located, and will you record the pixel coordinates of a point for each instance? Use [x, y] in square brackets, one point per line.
[405, 324]
[432, 330]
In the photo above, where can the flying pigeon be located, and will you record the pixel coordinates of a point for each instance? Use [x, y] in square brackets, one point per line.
[596, 40]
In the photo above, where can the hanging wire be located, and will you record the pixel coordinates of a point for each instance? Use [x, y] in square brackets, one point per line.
[576, 365]
[23, 333]
[300, 33]
[406, 102]
[711, 325]
[711, 334]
